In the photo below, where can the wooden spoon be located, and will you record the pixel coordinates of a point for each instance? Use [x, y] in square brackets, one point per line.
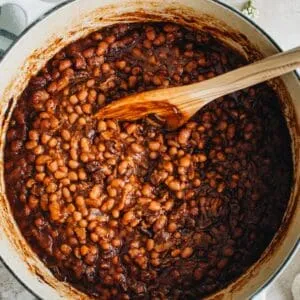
[178, 104]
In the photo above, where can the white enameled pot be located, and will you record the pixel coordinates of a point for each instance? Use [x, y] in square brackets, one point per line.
[75, 19]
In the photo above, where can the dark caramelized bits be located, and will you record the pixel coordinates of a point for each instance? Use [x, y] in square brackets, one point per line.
[128, 210]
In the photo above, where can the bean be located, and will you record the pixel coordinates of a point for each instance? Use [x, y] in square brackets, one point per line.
[168, 166]
[60, 174]
[101, 99]
[73, 118]
[102, 48]
[88, 52]
[154, 206]
[102, 126]
[184, 135]
[66, 135]
[154, 146]
[132, 81]
[45, 138]
[62, 83]
[66, 249]
[105, 68]
[84, 250]
[222, 263]
[147, 190]
[187, 252]
[185, 161]
[95, 192]
[228, 251]
[123, 167]
[137, 148]
[231, 131]
[82, 95]
[121, 64]
[52, 87]
[116, 243]
[147, 44]
[42, 159]
[136, 52]
[198, 274]
[156, 80]
[172, 227]
[159, 40]
[160, 223]
[110, 39]
[64, 64]
[30, 145]
[108, 205]
[170, 28]
[128, 217]
[150, 34]
[175, 252]
[174, 185]
[54, 211]
[202, 157]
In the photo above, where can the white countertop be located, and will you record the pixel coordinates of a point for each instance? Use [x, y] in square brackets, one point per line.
[281, 19]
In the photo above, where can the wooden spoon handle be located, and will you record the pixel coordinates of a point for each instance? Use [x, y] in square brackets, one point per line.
[185, 101]
[238, 79]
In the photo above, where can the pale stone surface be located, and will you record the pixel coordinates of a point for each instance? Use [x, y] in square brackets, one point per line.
[281, 19]
[10, 288]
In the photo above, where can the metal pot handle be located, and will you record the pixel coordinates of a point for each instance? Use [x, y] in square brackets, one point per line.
[30, 15]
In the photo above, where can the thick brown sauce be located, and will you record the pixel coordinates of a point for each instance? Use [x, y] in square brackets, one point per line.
[128, 210]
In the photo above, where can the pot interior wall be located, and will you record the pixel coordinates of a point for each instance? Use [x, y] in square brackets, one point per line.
[34, 49]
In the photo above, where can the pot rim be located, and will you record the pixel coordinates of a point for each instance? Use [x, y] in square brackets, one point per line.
[250, 22]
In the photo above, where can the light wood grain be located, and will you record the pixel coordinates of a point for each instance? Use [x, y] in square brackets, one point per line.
[178, 104]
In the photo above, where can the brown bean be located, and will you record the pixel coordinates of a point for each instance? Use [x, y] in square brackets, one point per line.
[147, 190]
[150, 244]
[170, 28]
[128, 217]
[160, 223]
[66, 249]
[137, 148]
[121, 64]
[102, 48]
[42, 159]
[184, 135]
[123, 167]
[187, 252]
[228, 251]
[136, 52]
[95, 192]
[66, 135]
[154, 146]
[150, 34]
[87, 53]
[64, 64]
[222, 263]
[174, 185]
[154, 206]
[132, 81]
[185, 161]
[168, 166]
[172, 227]
[175, 252]
[230, 131]
[82, 95]
[199, 274]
